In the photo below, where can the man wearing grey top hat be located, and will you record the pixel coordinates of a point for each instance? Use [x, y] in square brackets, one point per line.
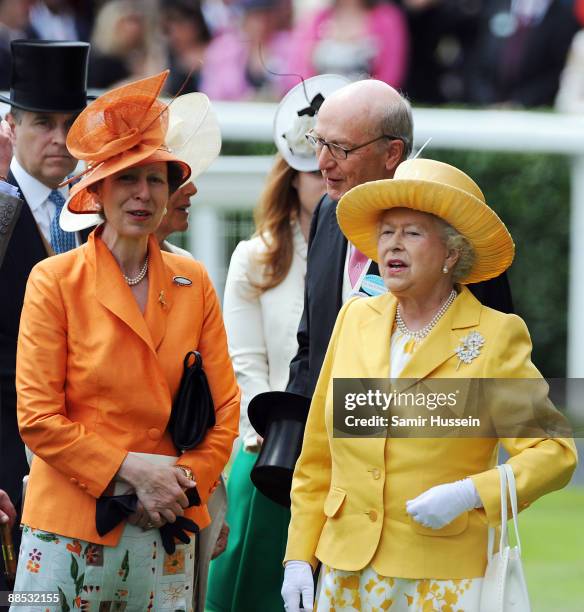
[47, 90]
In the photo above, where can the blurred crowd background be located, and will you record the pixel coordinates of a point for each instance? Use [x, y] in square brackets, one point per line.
[508, 54]
[511, 53]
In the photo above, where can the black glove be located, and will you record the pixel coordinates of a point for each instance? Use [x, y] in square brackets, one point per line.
[178, 529]
[193, 497]
[110, 511]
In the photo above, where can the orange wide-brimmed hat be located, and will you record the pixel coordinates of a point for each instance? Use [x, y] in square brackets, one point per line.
[122, 128]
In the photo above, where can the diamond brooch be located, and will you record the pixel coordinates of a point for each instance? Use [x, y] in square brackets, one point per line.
[470, 348]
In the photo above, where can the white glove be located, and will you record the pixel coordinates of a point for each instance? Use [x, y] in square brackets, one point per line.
[298, 581]
[440, 505]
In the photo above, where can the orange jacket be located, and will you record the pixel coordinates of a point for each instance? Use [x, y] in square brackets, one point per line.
[96, 379]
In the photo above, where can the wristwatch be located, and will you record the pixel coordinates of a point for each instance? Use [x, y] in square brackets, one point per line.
[186, 470]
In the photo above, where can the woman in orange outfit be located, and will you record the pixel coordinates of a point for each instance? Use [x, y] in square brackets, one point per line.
[104, 332]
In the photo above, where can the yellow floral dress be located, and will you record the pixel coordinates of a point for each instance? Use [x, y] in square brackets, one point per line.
[367, 591]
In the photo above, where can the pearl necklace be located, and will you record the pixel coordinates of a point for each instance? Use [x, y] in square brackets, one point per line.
[140, 277]
[422, 333]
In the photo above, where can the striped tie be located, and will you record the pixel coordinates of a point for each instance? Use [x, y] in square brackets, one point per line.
[61, 241]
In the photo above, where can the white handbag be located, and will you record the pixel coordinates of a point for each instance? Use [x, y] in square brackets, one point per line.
[504, 588]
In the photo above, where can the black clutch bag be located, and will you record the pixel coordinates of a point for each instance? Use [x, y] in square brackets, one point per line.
[193, 411]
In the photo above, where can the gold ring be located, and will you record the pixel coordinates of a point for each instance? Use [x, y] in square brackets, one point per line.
[149, 525]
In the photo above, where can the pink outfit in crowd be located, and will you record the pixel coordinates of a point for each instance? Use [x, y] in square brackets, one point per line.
[388, 46]
[223, 73]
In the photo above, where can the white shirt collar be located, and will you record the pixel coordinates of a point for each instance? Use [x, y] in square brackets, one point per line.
[34, 192]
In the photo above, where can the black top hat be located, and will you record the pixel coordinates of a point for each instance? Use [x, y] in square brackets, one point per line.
[279, 417]
[48, 76]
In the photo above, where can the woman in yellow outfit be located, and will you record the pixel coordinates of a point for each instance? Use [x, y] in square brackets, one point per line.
[401, 523]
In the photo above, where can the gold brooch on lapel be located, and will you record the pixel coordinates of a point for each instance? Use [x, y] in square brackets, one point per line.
[182, 281]
[470, 348]
[162, 299]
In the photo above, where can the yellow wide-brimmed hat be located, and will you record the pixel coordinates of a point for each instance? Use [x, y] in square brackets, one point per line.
[432, 187]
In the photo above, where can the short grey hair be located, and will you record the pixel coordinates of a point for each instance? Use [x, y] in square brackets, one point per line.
[397, 121]
[17, 114]
[456, 241]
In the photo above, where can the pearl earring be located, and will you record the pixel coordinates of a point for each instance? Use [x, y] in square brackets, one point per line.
[98, 208]
[445, 269]
[165, 210]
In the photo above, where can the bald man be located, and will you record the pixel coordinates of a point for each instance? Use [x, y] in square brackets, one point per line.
[363, 132]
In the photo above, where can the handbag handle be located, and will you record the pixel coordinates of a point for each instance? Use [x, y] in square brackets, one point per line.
[503, 497]
[504, 541]
[507, 483]
[513, 497]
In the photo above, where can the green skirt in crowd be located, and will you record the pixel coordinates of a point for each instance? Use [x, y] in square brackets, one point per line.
[248, 576]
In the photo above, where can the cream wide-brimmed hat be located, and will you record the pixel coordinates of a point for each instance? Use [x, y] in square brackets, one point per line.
[296, 115]
[432, 187]
[193, 133]
[193, 136]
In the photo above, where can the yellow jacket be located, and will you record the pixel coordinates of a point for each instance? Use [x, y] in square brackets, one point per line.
[96, 379]
[349, 494]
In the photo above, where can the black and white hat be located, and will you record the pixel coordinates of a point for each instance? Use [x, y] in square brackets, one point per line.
[296, 115]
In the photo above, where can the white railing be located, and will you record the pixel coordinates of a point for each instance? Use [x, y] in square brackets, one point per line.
[236, 182]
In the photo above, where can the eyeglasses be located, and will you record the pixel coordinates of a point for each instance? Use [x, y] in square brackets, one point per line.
[336, 150]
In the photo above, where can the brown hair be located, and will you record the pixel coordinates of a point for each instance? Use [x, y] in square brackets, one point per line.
[175, 177]
[278, 205]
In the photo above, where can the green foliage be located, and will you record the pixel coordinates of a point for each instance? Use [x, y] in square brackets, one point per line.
[531, 193]
[248, 148]
[552, 539]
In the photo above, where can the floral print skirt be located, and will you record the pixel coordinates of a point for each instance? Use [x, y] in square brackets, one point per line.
[135, 576]
[367, 591]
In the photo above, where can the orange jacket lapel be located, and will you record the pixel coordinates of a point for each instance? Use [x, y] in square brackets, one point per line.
[113, 292]
[159, 294]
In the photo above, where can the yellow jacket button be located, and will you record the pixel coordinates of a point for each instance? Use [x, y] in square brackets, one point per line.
[372, 516]
[73, 480]
[154, 434]
[376, 474]
[83, 486]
